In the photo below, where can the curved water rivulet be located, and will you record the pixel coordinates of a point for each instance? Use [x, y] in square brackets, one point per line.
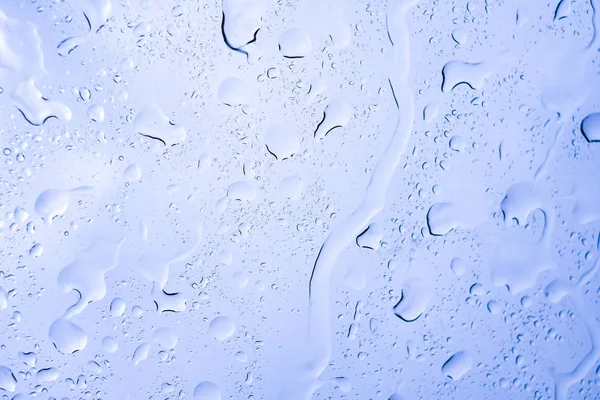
[319, 342]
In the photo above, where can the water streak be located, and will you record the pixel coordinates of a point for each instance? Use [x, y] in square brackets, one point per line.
[319, 330]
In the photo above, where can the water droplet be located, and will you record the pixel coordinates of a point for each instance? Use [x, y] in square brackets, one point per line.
[3, 298]
[590, 127]
[207, 391]
[29, 359]
[355, 277]
[430, 112]
[281, 141]
[458, 266]
[457, 365]
[36, 250]
[47, 375]
[154, 123]
[457, 143]
[242, 19]
[242, 190]
[96, 113]
[8, 381]
[371, 237]
[67, 337]
[140, 354]
[234, 92]
[295, 43]
[221, 328]
[493, 307]
[117, 307]
[132, 173]
[459, 35]
[110, 344]
[413, 301]
[166, 338]
[336, 115]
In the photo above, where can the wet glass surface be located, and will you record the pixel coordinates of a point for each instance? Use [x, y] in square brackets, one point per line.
[328, 199]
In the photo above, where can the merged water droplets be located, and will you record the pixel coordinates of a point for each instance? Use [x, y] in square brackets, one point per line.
[242, 19]
[52, 203]
[154, 123]
[336, 115]
[96, 13]
[357, 221]
[8, 381]
[22, 64]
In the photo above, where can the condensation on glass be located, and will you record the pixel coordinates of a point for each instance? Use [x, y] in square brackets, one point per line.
[294, 200]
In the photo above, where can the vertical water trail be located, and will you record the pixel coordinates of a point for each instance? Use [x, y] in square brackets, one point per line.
[564, 380]
[595, 23]
[319, 329]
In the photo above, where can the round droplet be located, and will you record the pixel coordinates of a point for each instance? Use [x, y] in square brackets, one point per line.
[459, 36]
[295, 43]
[96, 113]
[221, 328]
[590, 127]
[141, 29]
[207, 391]
[234, 92]
[132, 173]
[281, 141]
[242, 190]
[241, 356]
[117, 307]
[476, 290]
[430, 111]
[556, 291]
[36, 250]
[137, 311]
[457, 143]
[8, 382]
[457, 365]
[458, 266]
[166, 338]
[240, 279]
[85, 94]
[110, 344]
[493, 307]
[67, 337]
[51, 203]
[292, 187]
[526, 301]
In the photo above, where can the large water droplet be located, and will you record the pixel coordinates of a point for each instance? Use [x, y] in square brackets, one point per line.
[295, 43]
[8, 381]
[590, 127]
[281, 141]
[234, 91]
[154, 123]
[221, 328]
[336, 115]
[67, 337]
[207, 391]
[457, 365]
